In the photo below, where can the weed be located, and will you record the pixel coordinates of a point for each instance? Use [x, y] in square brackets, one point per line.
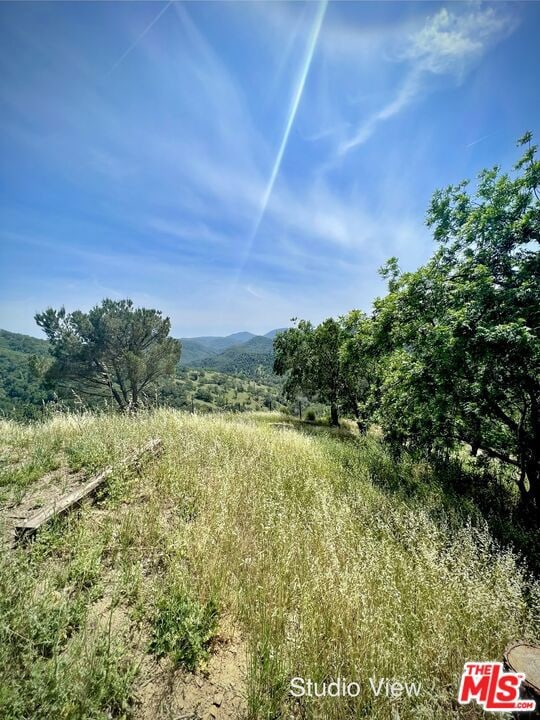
[331, 558]
[183, 628]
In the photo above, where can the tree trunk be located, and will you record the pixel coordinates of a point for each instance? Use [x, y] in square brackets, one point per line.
[334, 417]
[116, 396]
[532, 471]
[134, 404]
[361, 423]
[532, 466]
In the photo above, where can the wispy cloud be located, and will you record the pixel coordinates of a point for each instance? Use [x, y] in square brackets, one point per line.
[448, 43]
[138, 39]
[291, 115]
[408, 91]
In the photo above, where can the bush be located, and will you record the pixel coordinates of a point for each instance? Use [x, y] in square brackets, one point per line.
[183, 628]
[204, 395]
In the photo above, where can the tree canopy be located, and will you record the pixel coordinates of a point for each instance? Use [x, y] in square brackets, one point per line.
[115, 350]
[325, 363]
[451, 354]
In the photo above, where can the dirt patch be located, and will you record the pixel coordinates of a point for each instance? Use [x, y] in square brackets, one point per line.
[44, 491]
[216, 692]
[162, 691]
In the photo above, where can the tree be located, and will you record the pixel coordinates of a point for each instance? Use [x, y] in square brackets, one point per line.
[460, 338]
[293, 358]
[325, 368]
[323, 363]
[358, 367]
[114, 350]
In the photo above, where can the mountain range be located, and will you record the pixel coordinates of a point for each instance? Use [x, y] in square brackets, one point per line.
[239, 353]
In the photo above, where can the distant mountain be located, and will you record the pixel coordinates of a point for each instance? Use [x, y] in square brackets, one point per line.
[250, 358]
[258, 345]
[272, 334]
[27, 344]
[216, 343]
[193, 352]
[239, 353]
[240, 337]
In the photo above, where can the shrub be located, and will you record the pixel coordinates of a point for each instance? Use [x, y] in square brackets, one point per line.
[183, 628]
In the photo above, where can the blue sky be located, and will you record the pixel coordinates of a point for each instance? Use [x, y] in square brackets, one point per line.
[239, 164]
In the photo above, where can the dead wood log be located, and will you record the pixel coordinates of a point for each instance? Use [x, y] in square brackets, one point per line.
[524, 657]
[62, 504]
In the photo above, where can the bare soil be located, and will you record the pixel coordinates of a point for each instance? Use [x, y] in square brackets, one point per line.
[46, 490]
[215, 692]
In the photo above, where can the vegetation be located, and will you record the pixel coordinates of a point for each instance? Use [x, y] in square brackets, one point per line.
[115, 350]
[183, 628]
[251, 359]
[211, 391]
[241, 354]
[240, 378]
[328, 364]
[451, 354]
[328, 556]
[22, 395]
[399, 551]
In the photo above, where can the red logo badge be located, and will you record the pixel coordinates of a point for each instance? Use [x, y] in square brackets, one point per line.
[493, 688]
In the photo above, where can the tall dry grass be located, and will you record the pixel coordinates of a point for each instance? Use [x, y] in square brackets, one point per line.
[325, 574]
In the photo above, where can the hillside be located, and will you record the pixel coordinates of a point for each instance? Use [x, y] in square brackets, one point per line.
[20, 393]
[217, 343]
[26, 344]
[252, 358]
[239, 378]
[194, 352]
[272, 334]
[242, 353]
[252, 551]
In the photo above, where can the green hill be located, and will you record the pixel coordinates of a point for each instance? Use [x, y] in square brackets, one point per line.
[20, 393]
[217, 344]
[254, 550]
[241, 353]
[240, 378]
[272, 334]
[22, 343]
[252, 358]
[194, 352]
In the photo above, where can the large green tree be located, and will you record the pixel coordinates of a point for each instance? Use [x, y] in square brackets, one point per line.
[358, 367]
[460, 338]
[293, 358]
[327, 363]
[115, 350]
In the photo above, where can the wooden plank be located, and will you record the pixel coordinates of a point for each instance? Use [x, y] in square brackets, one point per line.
[74, 497]
[525, 657]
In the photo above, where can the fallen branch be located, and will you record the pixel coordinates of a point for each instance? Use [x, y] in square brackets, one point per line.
[31, 525]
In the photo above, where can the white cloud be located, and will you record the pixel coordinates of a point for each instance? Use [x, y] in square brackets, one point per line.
[448, 43]
[405, 95]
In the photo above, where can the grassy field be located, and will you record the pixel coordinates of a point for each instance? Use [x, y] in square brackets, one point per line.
[254, 533]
